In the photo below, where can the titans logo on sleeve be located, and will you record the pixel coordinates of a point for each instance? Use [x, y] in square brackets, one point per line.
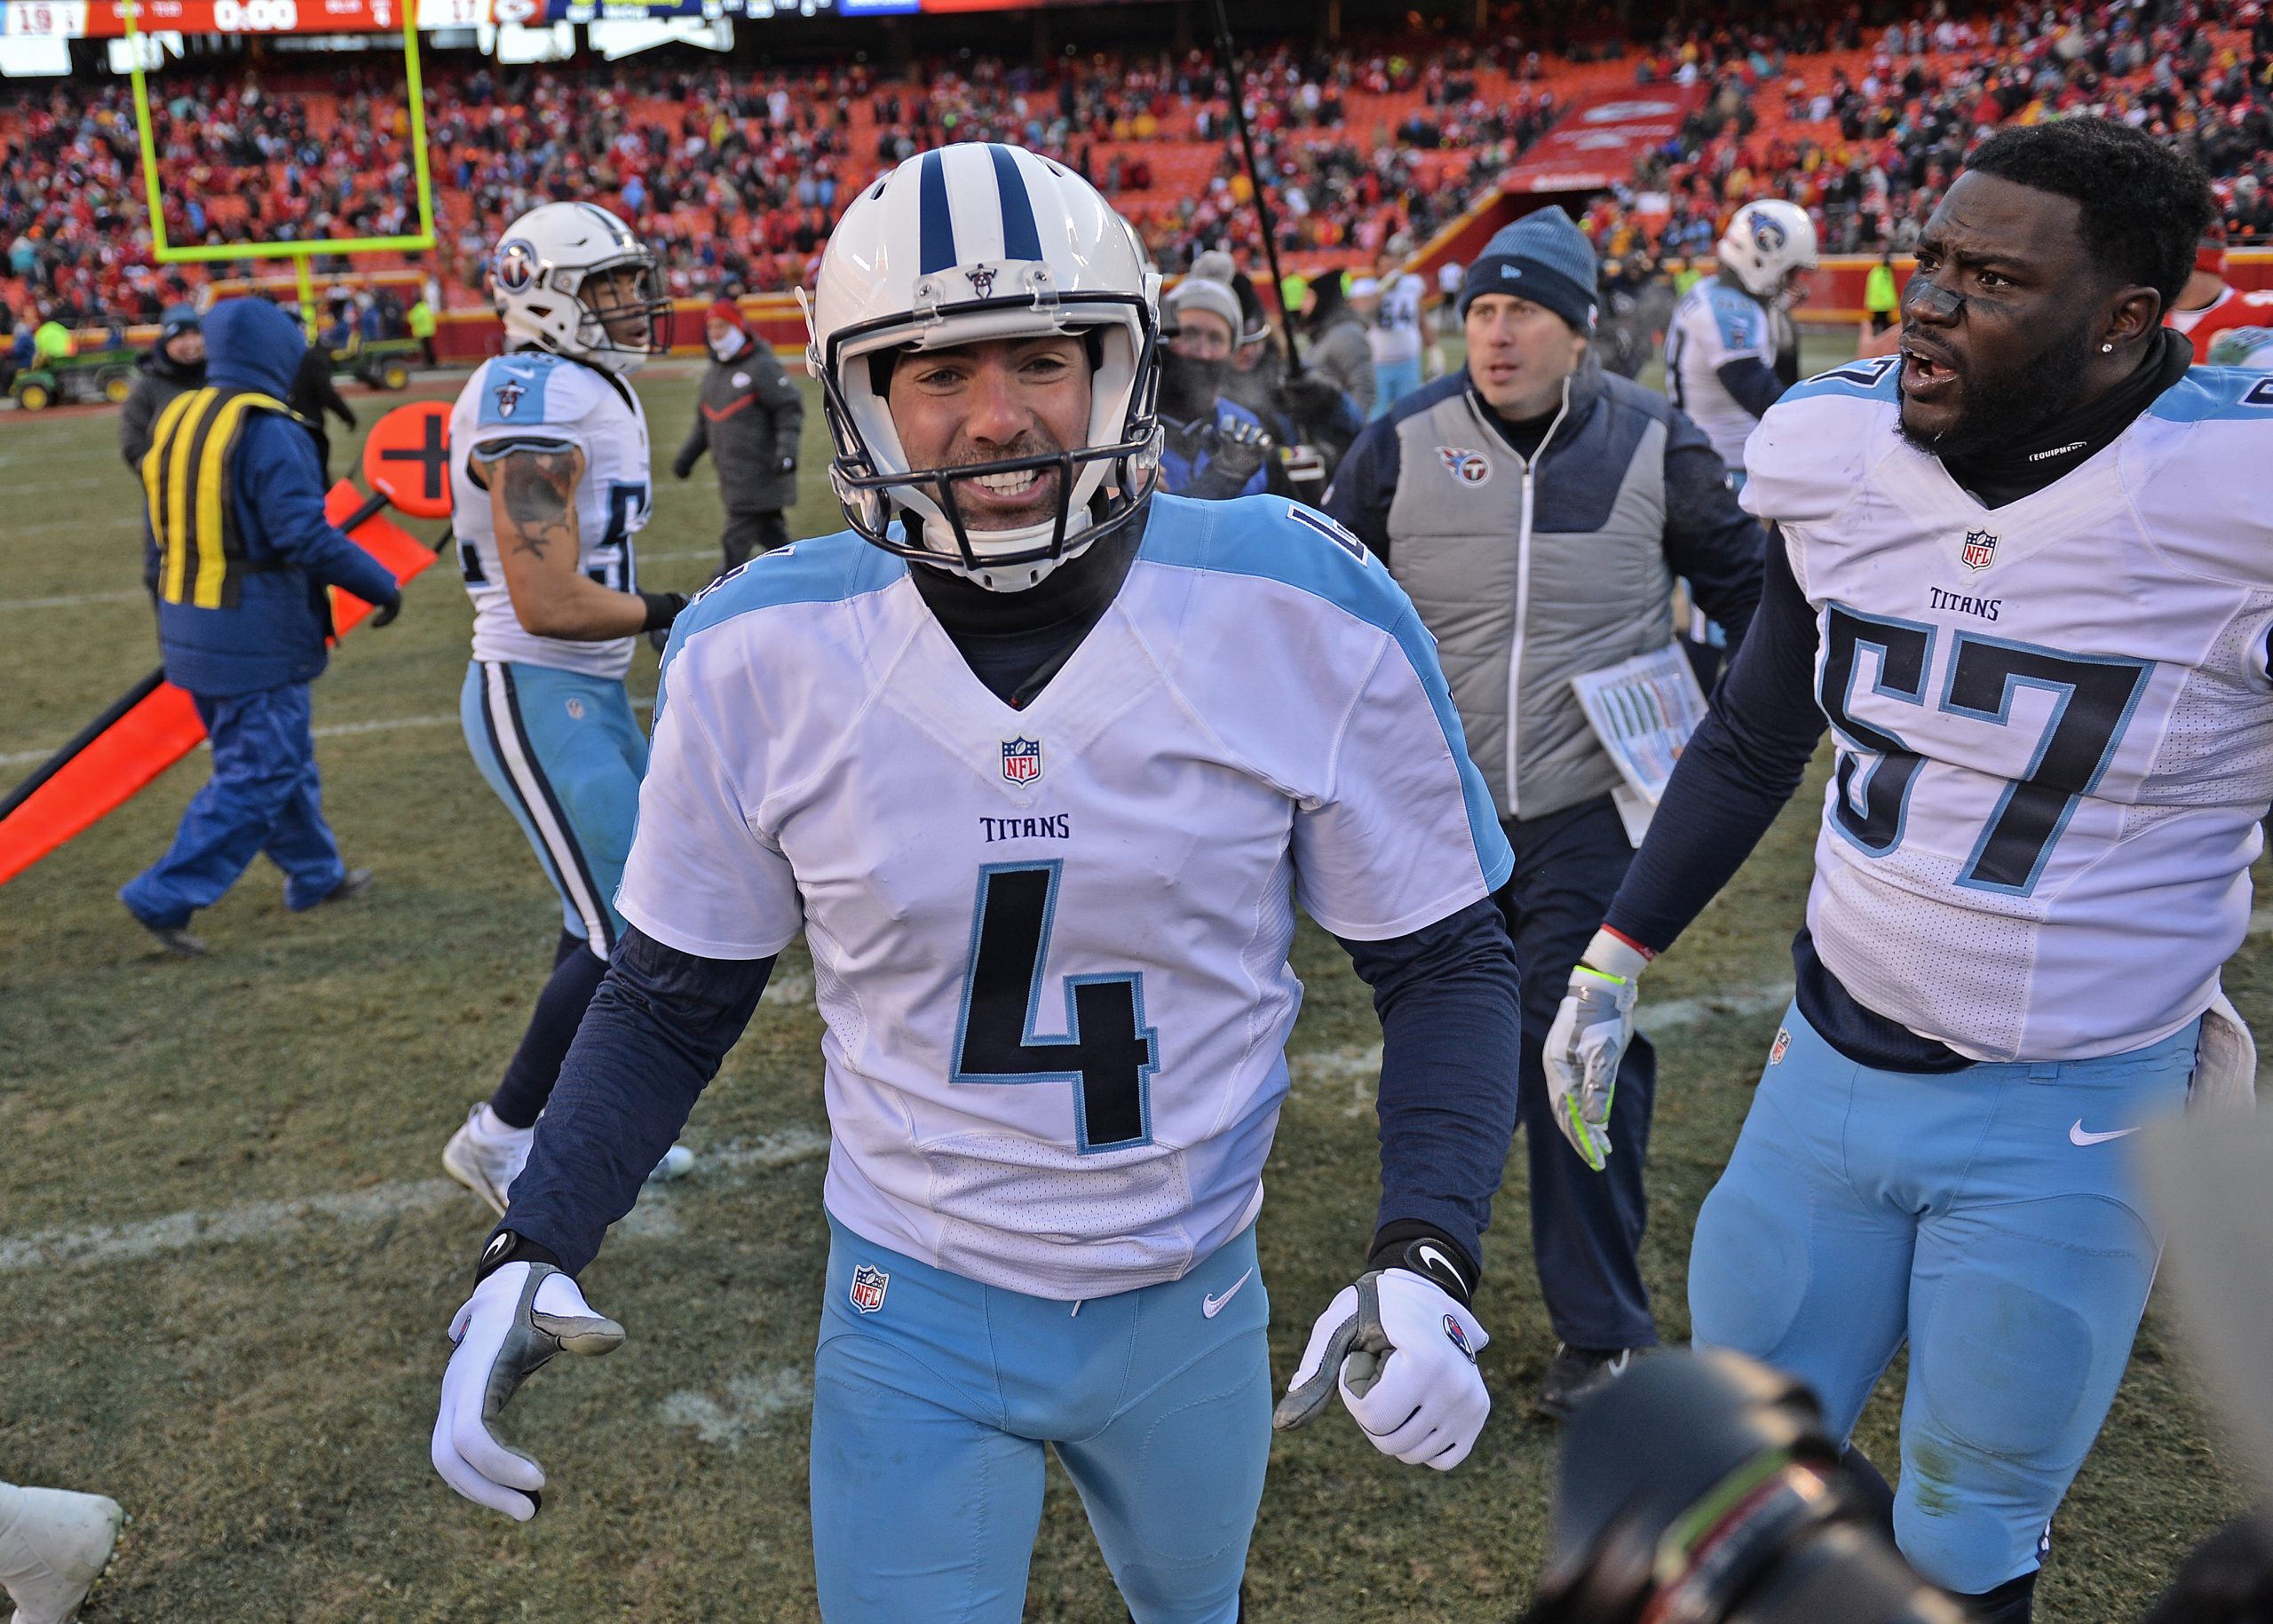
[535, 400]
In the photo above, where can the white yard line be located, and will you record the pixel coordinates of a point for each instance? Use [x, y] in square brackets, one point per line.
[249, 1221]
[329, 730]
[1352, 1070]
[74, 600]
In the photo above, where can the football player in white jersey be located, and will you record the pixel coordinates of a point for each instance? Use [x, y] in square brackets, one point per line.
[2024, 571]
[1039, 763]
[1730, 349]
[549, 482]
[1395, 334]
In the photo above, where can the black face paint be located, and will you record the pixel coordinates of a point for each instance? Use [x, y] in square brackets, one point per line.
[1931, 299]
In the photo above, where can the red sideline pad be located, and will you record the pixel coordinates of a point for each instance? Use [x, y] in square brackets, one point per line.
[163, 727]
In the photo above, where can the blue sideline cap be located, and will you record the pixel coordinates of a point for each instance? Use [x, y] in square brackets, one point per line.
[1544, 258]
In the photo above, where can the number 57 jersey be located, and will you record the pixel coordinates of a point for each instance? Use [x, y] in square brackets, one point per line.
[2054, 721]
[536, 401]
[1049, 944]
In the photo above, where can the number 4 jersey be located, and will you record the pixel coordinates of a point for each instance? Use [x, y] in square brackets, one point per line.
[1051, 944]
[2053, 722]
[534, 400]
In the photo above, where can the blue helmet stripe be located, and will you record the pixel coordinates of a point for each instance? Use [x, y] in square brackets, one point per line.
[1021, 239]
[938, 221]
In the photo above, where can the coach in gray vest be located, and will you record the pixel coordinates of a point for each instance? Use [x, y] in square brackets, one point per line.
[1537, 510]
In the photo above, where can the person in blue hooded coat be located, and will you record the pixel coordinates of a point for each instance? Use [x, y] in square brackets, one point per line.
[238, 557]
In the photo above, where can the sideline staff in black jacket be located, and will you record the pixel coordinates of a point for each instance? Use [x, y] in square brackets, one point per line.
[748, 417]
[174, 365]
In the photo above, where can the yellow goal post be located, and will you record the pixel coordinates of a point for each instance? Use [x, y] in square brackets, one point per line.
[299, 252]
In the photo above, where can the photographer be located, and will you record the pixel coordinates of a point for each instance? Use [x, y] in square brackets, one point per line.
[1213, 449]
[1313, 420]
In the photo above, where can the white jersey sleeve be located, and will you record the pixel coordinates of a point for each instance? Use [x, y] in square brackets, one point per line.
[703, 880]
[1795, 474]
[1713, 325]
[535, 400]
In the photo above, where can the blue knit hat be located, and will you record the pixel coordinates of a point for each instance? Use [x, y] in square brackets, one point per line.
[1544, 258]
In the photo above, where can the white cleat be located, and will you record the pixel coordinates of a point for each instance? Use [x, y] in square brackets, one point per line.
[488, 1161]
[54, 1544]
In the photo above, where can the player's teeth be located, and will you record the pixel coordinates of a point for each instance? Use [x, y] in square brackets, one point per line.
[1007, 484]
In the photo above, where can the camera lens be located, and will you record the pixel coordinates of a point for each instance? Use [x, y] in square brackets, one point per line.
[1700, 1489]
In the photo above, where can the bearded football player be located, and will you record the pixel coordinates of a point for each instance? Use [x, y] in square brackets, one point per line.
[2023, 569]
[1001, 753]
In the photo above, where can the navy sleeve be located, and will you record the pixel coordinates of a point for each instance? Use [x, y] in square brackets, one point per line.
[652, 1041]
[1364, 486]
[1710, 540]
[1450, 1019]
[1752, 383]
[279, 462]
[1741, 766]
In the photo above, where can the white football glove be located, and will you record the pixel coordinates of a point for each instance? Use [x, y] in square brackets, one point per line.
[1588, 1039]
[518, 1319]
[1402, 1351]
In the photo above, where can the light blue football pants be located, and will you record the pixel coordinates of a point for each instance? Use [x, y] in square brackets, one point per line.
[1392, 382]
[565, 755]
[931, 1410]
[1991, 1217]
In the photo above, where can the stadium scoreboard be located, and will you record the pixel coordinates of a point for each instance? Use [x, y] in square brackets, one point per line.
[106, 19]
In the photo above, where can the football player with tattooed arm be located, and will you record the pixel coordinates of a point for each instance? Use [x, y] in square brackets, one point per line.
[998, 752]
[549, 482]
[2025, 570]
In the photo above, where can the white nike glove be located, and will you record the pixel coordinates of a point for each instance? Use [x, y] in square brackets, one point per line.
[1402, 1351]
[1588, 1039]
[518, 1317]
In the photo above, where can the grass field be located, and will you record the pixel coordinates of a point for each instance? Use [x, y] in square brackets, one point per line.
[227, 1254]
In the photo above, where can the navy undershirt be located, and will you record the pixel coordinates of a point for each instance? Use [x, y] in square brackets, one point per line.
[662, 1021]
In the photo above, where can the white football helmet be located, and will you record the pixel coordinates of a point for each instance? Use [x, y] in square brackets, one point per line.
[543, 267]
[973, 242]
[1764, 243]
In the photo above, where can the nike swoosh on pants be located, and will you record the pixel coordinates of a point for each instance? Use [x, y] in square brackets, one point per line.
[1210, 1306]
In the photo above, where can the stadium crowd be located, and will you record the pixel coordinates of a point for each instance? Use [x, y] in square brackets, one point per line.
[1867, 138]
[736, 176]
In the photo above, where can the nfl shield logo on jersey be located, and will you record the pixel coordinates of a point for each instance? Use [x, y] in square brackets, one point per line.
[868, 1283]
[1980, 550]
[509, 396]
[1022, 760]
[1469, 467]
